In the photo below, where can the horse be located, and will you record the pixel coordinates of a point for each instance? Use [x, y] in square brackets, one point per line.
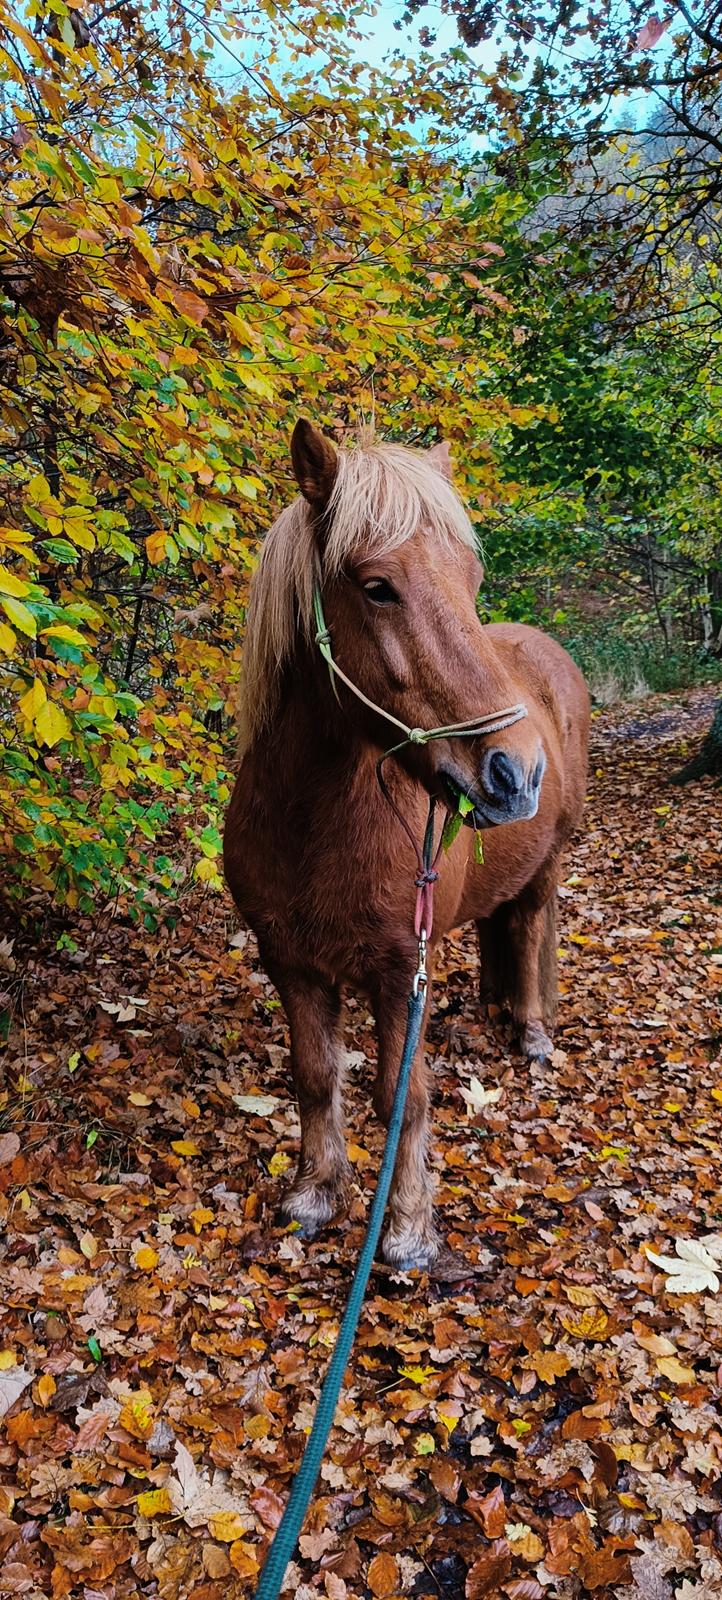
[314, 856]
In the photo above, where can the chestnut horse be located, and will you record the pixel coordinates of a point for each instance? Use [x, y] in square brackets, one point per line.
[314, 856]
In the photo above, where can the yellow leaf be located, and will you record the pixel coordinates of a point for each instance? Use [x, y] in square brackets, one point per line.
[9, 584]
[279, 1163]
[579, 1296]
[80, 533]
[153, 1502]
[590, 1325]
[8, 1359]
[8, 639]
[243, 1559]
[145, 1258]
[32, 702]
[89, 1246]
[185, 1147]
[137, 1099]
[14, 536]
[717, 1095]
[257, 1427]
[227, 1526]
[51, 724]
[200, 1216]
[155, 545]
[60, 630]
[19, 614]
[449, 1421]
[417, 1374]
[253, 380]
[136, 1416]
[671, 1368]
[45, 1388]
[618, 1151]
[425, 1445]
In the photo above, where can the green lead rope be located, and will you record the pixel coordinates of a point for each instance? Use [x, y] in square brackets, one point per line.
[284, 1541]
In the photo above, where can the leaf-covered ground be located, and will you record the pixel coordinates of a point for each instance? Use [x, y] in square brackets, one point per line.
[549, 1426]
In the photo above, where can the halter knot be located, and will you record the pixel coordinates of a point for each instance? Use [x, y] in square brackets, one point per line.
[417, 736]
[323, 636]
[426, 876]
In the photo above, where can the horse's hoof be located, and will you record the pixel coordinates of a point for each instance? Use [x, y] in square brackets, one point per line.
[535, 1043]
[311, 1208]
[409, 1252]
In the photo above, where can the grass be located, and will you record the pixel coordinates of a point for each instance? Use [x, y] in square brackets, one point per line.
[620, 668]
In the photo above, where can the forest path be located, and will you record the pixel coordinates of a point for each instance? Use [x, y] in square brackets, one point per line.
[548, 1426]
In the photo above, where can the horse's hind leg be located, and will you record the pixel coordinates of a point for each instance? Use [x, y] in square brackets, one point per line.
[519, 963]
[532, 933]
[410, 1239]
[313, 1010]
[497, 976]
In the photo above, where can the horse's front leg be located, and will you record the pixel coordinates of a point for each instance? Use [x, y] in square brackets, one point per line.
[410, 1238]
[313, 1009]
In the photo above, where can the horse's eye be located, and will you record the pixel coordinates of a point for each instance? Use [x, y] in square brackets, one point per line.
[381, 592]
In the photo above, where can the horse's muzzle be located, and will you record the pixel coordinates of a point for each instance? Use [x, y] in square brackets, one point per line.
[512, 787]
[508, 790]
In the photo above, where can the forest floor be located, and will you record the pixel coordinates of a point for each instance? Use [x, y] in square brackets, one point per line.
[548, 1426]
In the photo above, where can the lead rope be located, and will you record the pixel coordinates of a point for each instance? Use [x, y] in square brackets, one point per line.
[284, 1540]
[304, 1483]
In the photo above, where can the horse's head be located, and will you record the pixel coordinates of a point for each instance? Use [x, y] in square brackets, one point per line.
[400, 575]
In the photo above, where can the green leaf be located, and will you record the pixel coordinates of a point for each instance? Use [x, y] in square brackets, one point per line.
[451, 828]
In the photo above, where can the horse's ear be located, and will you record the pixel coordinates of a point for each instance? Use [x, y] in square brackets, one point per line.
[315, 464]
[440, 459]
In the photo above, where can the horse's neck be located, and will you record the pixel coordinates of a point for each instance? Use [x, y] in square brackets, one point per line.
[316, 758]
[311, 734]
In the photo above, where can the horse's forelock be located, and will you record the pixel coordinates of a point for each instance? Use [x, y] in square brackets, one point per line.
[383, 495]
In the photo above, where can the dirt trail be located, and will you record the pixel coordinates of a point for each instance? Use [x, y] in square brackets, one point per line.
[548, 1427]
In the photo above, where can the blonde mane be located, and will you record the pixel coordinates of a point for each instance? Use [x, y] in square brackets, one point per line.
[383, 494]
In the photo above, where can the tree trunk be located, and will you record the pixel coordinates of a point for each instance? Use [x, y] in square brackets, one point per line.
[708, 761]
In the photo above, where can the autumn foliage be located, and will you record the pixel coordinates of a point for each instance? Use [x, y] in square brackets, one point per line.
[183, 270]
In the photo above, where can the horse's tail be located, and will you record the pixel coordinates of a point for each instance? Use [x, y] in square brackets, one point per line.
[548, 978]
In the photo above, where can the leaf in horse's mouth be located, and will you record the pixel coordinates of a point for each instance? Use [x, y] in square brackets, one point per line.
[463, 812]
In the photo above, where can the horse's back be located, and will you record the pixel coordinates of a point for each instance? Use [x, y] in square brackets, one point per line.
[550, 672]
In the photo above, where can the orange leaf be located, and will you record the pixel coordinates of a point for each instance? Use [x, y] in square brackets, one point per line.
[383, 1575]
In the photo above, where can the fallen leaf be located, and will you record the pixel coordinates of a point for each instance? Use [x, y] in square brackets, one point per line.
[692, 1271]
[477, 1097]
[13, 1383]
[9, 1147]
[590, 1325]
[382, 1576]
[486, 1574]
[153, 1502]
[670, 1367]
[489, 1511]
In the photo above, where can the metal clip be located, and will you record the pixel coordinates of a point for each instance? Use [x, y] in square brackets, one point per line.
[420, 975]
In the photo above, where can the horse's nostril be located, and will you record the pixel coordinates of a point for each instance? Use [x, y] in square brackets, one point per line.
[538, 772]
[504, 774]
